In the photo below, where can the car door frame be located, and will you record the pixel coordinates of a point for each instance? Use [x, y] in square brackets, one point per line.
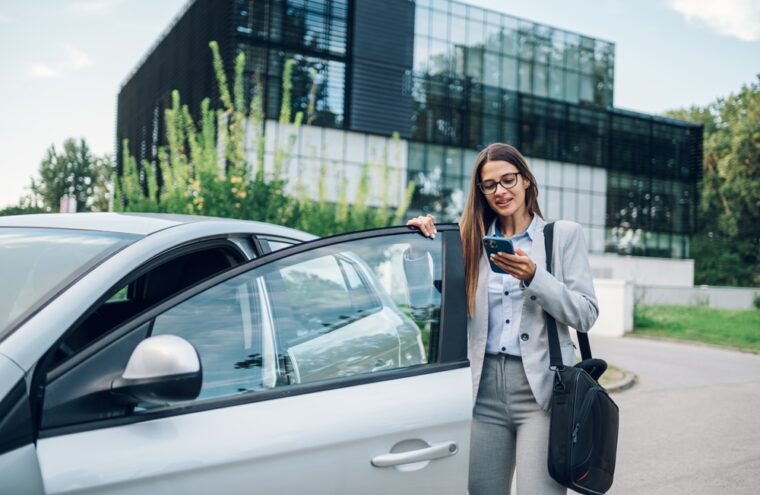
[450, 353]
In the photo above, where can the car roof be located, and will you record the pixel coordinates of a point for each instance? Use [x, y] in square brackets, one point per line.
[137, 223]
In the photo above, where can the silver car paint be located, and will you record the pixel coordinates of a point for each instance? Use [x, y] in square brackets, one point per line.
[19, 469]
[162, 355]
[28, 344]
[137, 223]
[319, 443]
[108, 222]
[20, 472]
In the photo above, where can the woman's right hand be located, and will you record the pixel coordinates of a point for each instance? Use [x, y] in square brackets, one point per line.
[425, 224]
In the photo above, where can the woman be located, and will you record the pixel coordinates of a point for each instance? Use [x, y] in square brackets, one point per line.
[508, 344]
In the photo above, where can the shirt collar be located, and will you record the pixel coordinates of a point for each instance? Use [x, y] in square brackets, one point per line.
[535, 224]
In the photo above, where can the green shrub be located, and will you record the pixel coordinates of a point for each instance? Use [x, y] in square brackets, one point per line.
[196, 181]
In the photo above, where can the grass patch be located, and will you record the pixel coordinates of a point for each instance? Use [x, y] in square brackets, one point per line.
[725, 327]
[612, 375]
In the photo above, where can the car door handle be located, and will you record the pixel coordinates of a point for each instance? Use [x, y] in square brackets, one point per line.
[435, 451]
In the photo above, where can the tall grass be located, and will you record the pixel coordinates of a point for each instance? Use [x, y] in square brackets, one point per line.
[204, 167]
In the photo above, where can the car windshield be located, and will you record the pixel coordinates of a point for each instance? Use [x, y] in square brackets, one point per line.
[37, 263]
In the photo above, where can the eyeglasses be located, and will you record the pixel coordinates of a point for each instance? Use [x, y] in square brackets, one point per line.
[507, 181]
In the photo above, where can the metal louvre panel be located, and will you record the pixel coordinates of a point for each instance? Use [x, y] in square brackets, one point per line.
[180, 60]
[378, 103]
[382, 50]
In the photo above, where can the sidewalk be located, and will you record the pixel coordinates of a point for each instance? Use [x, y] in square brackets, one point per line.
[690, 425]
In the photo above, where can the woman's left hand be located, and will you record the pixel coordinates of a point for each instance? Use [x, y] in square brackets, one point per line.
[519, 265]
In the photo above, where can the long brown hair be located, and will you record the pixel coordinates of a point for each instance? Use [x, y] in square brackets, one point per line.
[477, 215]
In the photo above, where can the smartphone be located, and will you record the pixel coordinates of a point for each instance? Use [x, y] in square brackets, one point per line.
[494, 245]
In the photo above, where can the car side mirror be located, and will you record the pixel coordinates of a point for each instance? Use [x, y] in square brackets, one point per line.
[161, 370]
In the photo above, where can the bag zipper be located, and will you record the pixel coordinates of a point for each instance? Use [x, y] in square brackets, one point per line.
[587, 403]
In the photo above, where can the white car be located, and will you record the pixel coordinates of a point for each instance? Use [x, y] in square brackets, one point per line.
[179, 354]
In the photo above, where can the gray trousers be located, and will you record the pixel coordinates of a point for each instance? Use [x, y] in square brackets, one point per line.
[509, 430]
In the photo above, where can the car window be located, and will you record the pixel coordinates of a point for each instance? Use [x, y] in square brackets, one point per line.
[166, 278]
[353, 308]
[276, 245]
[334, 290]
[226, 327]
[36, 263]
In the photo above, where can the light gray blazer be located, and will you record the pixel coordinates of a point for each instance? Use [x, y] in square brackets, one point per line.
[567, 294]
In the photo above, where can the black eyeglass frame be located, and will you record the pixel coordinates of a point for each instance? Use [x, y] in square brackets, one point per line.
[499, 182]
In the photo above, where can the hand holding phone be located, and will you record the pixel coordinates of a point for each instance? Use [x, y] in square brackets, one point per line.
[494, 245]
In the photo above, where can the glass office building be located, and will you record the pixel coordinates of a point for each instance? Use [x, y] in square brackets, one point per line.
[449, 78]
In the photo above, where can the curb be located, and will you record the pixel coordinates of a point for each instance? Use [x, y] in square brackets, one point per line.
[628, 381]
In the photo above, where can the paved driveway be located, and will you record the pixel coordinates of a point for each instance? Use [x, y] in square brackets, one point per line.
[691, 425]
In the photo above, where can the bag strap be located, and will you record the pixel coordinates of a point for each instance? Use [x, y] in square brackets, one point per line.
[555, 354]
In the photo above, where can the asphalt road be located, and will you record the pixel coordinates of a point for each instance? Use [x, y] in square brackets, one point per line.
[691, 425]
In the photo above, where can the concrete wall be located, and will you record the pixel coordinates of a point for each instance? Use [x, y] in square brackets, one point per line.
[338, 159]
[655, 272]
[703, 295]
[615, 299]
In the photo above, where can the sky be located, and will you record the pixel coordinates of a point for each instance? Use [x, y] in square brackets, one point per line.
[63, 61]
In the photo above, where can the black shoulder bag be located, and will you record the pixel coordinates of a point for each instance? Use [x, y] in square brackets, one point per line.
[584, 419]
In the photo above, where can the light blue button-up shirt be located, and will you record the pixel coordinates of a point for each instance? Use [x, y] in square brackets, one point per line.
[505, 299]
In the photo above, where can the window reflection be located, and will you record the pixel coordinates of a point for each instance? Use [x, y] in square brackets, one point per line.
[353, 308]
[459, 34]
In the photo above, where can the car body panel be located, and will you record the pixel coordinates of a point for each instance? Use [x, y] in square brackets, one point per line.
[20, 472]
[19, 468]
[111, 222]
[143, 223]
[319, 444]
[10, 374]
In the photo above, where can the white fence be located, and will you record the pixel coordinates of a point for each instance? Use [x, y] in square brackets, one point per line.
[703, 295]
[640, 270]
[615, 299]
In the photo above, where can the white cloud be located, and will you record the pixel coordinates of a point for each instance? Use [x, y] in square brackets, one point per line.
[73, 60]
[76, 58]
[736, 18]
[4, 19]
[42, 70]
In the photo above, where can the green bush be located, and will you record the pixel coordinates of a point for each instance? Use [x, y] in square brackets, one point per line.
[194, 180]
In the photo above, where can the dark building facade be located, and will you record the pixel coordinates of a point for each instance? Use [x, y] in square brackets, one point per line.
[449, 78]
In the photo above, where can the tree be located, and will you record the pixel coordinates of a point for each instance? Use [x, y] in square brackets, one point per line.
[726, 247]
[75, 172]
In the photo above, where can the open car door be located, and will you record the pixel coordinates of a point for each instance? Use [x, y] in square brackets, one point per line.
[336, 366]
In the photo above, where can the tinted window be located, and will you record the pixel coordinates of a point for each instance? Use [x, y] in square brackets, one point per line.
[352, 308]
[168, 277]
[277, 245]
